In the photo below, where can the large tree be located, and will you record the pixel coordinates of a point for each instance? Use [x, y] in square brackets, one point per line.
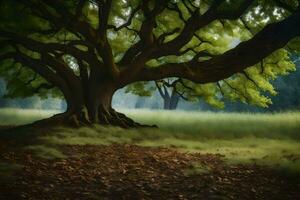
[85, 50]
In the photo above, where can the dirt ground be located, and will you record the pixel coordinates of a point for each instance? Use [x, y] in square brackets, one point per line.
[123, 171]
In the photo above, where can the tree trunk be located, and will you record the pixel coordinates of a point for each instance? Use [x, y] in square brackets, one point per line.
[167, 103]
[91, 105]
[97, 108]
[171, 102]
[174, 101]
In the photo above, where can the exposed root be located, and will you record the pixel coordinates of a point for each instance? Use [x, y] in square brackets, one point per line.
[115, 118]
[130, 122]
[81, 118]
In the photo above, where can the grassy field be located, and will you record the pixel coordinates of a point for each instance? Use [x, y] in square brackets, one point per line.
[269, 139]
[13, 116]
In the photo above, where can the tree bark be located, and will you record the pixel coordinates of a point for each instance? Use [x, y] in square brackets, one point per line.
[92, 105]
[167, 101]
[174, 100]
[98, 109]
[171, 102]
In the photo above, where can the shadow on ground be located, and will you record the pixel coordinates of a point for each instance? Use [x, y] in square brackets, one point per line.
[123, 171]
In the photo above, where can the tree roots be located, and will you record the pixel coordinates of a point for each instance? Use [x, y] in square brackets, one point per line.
[81, 118]
[119, 119]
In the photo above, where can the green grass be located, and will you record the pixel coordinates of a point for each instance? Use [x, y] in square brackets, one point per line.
[266, 151]
[15, 116]
[263, 151]
[223, 125]
[266, 139]
[192, 124]
[196, 169]
[45, 152]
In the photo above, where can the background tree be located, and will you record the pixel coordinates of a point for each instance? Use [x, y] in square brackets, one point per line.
[172, 90]
[85, 50]
[168, 92]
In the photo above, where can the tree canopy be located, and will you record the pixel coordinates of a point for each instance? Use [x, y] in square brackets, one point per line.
[85, 50]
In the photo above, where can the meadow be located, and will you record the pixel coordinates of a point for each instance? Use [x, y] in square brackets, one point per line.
[260, 138]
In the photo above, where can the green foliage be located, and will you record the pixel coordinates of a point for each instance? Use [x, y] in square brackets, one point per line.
[140, 88]
[209, 93]
[45, 152]
[250, 87]
[9, 116]
[295, 45]
[22, 82]
[215, 39]
[254, 85]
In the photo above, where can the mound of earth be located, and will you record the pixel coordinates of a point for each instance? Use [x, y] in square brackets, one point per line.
[123, 171]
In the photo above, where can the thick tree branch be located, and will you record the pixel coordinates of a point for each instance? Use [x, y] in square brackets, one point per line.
[271, 38]
[36, 66]
[159, 90]
[102, 44]
[50, 48]
[145, 33]
[38, 46]
[41, 10]
[42, 69]
[103, 15]
[196, 22]
[56, 64]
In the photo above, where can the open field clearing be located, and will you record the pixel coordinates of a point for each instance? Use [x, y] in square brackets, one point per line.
[256, 151]
[272, 139]
[191, 124]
